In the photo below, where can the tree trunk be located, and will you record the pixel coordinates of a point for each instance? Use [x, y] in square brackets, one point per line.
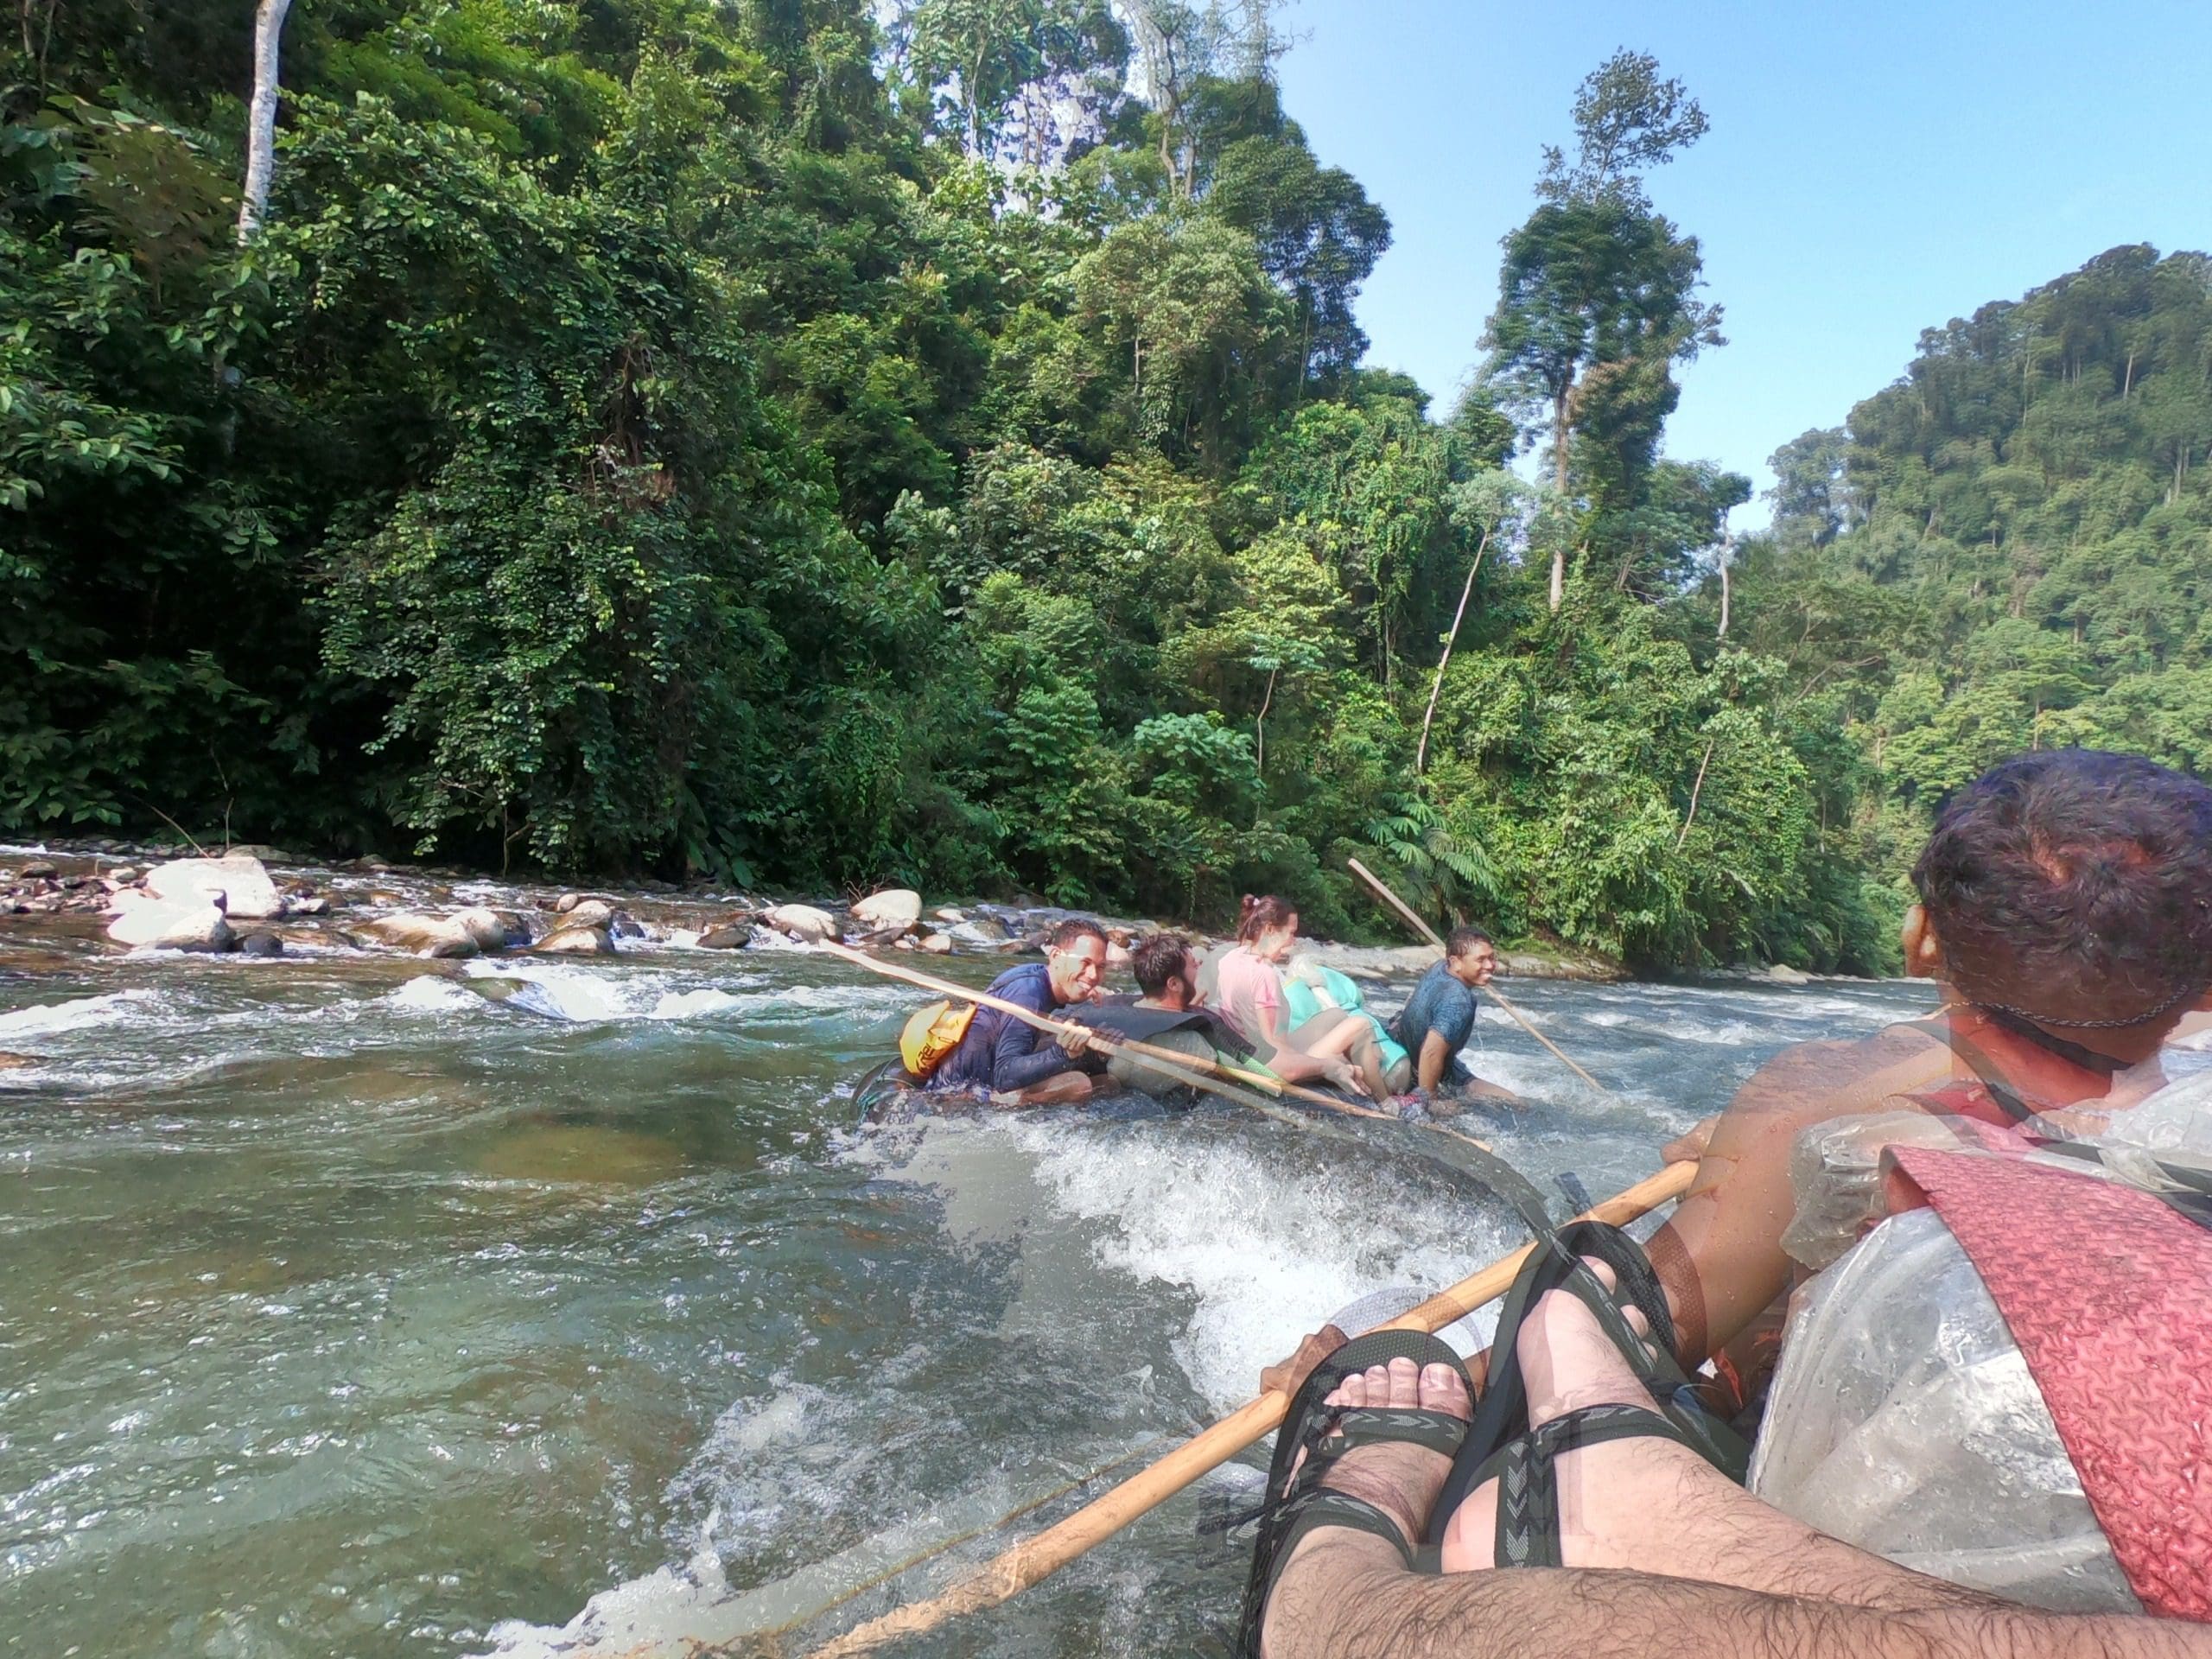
[1436, 690]
[1260, 724]
[1727, 556]
[261, 116]
[1559, 482]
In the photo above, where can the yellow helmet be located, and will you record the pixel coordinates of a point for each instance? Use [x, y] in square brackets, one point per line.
[931, 1034]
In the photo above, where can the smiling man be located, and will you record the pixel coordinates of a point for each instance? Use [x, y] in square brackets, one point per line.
[1439, 1016]
[1004, 1056]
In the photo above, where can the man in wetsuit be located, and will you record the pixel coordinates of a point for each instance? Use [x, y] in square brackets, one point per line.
[1002, 1055]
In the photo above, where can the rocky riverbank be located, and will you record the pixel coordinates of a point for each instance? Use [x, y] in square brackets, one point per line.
[262, 901]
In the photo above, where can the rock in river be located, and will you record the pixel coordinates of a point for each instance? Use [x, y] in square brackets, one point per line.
[570, 940]
[467, 934]
[803, 922]
[161, 924]
[248, 893]
[899, 907]
[586, 912]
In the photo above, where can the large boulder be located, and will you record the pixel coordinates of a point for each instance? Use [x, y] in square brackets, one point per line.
[980, 931]
[587, 912]
[466, 933]
[726, 936]
[895, 908]
[937, 945]
[144, 922]
[803, 922]
[571, 940]
[248, 893]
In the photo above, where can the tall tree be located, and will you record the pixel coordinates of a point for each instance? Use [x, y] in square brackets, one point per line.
[261, 114]
[1597, 293]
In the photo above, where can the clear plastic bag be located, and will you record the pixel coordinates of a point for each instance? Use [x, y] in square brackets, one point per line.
[1903, 1420]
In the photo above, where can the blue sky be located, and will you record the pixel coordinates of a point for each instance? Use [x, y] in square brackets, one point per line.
[1873, 170]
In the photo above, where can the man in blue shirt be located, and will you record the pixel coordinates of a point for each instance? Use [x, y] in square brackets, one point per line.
[1439, 1016]
[1002, 1055]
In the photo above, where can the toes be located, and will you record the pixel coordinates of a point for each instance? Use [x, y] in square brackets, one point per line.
[1638, 1321]
[1400, 1383]
[1351, 1392]
[1443, 1389]
[1606, 1275]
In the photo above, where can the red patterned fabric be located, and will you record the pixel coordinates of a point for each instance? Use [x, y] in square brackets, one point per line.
[2108, 1293]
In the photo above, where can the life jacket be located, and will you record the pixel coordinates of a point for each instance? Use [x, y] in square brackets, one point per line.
[932, 1034]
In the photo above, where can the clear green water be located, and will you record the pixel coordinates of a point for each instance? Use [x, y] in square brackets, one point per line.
[349, 1309]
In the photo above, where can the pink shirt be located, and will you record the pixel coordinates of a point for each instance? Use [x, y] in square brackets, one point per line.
[1247, 986]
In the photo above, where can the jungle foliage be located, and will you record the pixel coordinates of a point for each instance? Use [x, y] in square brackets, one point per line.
[803, 443]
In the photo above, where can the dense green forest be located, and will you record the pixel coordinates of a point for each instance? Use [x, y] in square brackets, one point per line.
[812, 443]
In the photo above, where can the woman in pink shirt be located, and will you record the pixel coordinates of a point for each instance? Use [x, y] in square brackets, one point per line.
[1250, 996]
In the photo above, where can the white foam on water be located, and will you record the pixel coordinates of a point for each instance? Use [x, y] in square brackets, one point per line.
[766, 1466]
[689, 1005]
[1267, 1257]
[432, 993]
[594, 996]
[50, 1019]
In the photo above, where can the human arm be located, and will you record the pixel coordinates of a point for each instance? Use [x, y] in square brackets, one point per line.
[1720, 1256]
[1024, 1056]
[1433, 1061]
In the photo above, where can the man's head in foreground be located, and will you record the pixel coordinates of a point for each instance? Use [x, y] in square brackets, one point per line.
[2072, 889]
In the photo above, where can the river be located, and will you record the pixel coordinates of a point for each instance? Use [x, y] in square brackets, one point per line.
[351, 1308]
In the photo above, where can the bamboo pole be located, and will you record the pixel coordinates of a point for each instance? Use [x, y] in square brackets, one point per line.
[1495, 996]
[1182, 1067]
[1015, 1570]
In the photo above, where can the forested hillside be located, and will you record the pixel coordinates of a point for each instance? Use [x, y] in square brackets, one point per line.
[2012, 547]
[808, 443]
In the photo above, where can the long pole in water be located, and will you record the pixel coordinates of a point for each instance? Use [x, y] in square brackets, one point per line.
[1182, 1067]
[1011, 1572]
[1495, 996]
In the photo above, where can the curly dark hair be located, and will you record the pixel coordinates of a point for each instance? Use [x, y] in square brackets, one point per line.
[1158, 957]
[2073, 888]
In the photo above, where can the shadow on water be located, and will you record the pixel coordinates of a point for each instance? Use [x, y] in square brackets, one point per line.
[360, 1305]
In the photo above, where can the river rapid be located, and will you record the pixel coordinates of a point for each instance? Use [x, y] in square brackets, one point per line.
[363, 1305]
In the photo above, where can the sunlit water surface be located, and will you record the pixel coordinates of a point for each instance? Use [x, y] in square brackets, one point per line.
[369, 1305]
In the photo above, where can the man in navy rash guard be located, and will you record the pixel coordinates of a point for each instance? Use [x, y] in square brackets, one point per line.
[1003, 1055]
[1439, 1017]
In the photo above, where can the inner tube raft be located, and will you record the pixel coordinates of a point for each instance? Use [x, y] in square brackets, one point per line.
[2008, 1382]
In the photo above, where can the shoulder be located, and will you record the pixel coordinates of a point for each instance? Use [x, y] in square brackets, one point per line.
[1015, 981]
[1841, 1073]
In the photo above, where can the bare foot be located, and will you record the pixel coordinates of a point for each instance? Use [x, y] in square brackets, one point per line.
[1568, 1363]
[1401, 1480]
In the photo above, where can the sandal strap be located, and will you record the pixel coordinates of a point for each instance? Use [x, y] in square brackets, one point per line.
[1358, 1426]
[1329, 1507]
[1528, 1475]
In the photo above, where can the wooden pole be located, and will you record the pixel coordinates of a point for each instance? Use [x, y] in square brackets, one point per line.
[1015, 1570]
[1495, 996]
[1182, 1067]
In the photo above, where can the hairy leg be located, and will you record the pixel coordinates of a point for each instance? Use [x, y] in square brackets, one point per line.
[1652, 1506]
[1402, 1481]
